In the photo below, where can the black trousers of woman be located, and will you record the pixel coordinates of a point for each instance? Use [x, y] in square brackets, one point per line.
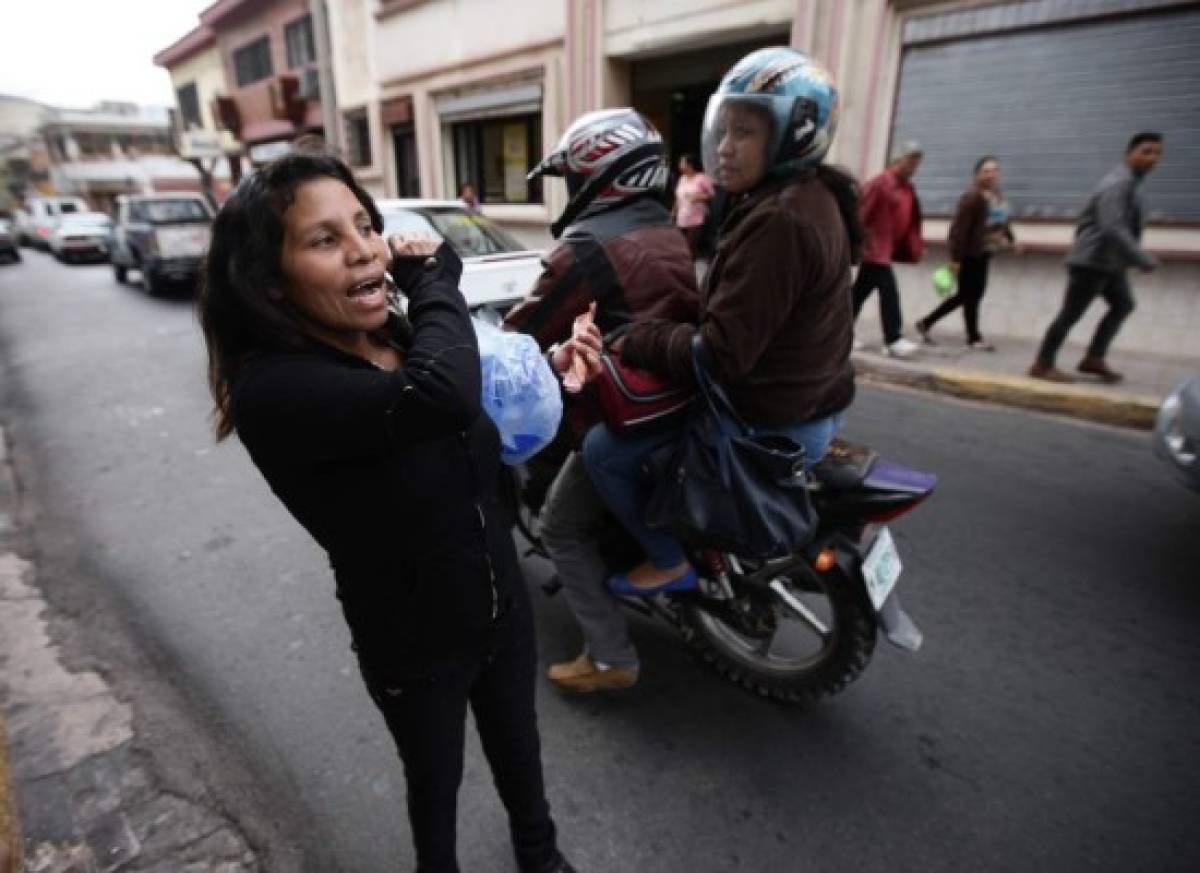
[879, 276]
[427, 719]
[972, 283]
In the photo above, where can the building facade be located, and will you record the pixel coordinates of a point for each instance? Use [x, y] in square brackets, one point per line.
[198, 79]
[268, 54]
[113, 149]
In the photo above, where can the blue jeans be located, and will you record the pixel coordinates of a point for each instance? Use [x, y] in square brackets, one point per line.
[615, 462]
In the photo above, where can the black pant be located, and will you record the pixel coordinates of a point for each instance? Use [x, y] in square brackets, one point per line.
[870, 277]
[972, 282]
[1083, 285]
[427, 717]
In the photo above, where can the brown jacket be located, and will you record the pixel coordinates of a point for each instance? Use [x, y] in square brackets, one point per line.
[969, 227]
[776, 315]
[645, 271]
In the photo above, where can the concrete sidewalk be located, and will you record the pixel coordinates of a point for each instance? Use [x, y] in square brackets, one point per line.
[86, 793]
[949, 367]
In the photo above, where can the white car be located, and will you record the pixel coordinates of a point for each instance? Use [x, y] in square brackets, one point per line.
[82, 236]
[35, 222]
[498, 271]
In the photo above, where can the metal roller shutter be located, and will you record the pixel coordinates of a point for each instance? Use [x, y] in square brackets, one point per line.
[1056, 102]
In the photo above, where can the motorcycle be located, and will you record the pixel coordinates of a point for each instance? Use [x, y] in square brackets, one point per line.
[796, 629]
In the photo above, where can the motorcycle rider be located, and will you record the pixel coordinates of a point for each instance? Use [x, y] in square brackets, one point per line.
[618, 250]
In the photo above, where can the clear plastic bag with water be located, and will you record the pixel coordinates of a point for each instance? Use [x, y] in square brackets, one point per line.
[520, 392]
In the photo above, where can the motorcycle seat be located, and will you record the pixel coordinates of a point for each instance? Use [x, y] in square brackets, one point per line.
[845, 466]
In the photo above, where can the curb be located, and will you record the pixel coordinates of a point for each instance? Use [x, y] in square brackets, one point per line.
[10, 825]
[1075, 401]
[11, 847]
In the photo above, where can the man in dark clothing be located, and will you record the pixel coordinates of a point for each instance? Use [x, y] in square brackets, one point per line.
[891, 214]
[619, 250]
[1107, 243]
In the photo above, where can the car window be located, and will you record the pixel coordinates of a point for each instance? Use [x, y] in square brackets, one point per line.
[472, 235]
[170, 211]
[64, 208]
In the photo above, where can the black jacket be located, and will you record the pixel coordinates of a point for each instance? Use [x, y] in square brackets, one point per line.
[394, 474]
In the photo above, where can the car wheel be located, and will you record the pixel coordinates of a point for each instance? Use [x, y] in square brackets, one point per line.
[156, 283]
[118, 273]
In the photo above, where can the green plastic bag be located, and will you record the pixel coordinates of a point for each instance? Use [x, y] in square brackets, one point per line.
[943, 281]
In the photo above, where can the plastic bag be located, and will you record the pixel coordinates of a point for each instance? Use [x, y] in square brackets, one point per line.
[520, 392]
[943, 281]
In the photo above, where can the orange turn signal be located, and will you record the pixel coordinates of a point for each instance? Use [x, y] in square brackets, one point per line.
[826, 560]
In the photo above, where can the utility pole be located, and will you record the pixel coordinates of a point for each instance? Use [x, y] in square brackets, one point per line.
[329, 110]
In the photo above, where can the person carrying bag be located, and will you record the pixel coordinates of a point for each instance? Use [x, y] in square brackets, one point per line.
[775, 329]
[728, 487]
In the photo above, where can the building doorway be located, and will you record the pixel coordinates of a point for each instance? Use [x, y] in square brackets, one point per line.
[404, 148]
[673, 90]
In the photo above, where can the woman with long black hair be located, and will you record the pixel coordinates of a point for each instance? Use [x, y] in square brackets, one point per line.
[368, 427]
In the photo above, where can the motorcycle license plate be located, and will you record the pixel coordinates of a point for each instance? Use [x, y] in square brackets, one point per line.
[881, 567]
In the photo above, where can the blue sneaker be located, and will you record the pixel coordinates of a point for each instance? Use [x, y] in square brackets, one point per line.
[619, 584]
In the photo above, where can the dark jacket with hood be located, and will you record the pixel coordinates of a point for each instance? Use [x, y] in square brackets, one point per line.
[394, 474]
[776, 315]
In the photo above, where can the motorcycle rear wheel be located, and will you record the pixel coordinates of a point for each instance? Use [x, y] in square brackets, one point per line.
[755, 662]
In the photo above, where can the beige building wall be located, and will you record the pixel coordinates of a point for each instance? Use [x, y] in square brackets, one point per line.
[207, 71]
[444, 49]
[356, 83]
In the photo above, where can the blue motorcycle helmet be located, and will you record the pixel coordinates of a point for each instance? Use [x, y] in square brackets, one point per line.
[795, 94]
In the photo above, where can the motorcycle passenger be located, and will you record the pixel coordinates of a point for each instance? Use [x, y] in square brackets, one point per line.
[776, 316]
[619, 251]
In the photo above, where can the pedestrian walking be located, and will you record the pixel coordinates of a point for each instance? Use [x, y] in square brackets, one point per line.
[368, 427]
[693, 193]
[1107, 242]
[980, 229]
[891, 215]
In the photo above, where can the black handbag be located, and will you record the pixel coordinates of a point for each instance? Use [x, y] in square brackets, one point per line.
[724, 487]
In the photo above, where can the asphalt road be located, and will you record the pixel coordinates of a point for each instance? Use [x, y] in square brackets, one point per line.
[1051, 722]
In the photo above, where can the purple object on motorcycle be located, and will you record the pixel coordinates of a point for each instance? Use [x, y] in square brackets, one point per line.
[886, 476]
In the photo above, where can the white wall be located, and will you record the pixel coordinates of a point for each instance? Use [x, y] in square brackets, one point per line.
[635, 28]
[443, 33]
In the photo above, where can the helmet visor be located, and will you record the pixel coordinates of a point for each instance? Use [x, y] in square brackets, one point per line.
[740, 138]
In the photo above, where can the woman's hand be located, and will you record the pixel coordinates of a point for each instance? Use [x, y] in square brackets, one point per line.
[411, 255]
[412, 245]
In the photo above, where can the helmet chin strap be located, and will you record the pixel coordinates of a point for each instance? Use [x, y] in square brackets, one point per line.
[597, 184]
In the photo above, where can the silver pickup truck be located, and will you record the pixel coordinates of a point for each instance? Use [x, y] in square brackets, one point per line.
[163, 236]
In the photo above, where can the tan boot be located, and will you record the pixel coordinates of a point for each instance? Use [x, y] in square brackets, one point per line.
[583, 676]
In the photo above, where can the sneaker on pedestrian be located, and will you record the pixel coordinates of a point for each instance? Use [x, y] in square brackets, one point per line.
[583, 675]
[1097, 367]
[901, 348]
[1049, 373]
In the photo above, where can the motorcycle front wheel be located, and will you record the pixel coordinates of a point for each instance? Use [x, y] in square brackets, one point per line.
[788, 655]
